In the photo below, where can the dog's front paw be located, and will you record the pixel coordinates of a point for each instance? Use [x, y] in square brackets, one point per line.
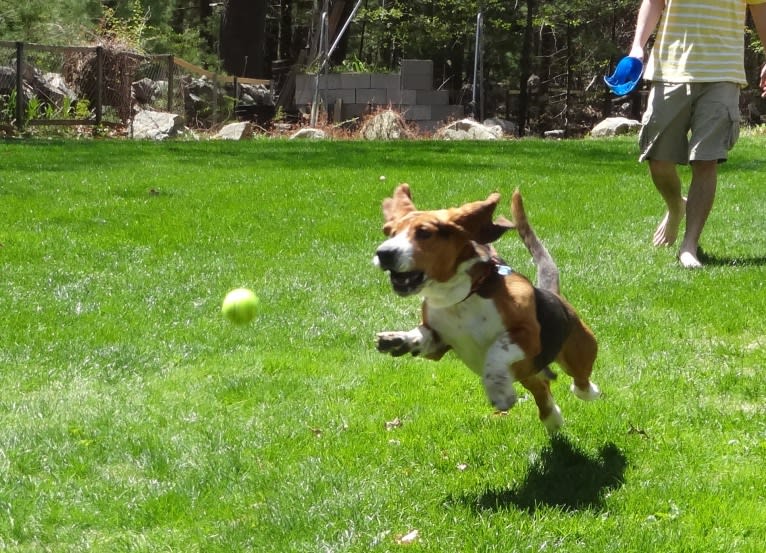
[395, 343]
[554, 421]
[500, 391]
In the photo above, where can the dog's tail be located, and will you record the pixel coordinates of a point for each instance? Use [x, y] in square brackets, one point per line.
[547, 272]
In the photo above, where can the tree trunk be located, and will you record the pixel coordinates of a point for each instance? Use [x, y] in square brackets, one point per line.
[243, 38]
[285, 30]
[570, 54]
[211, 38]
[205, 9]
[339, 13]
[525, 67]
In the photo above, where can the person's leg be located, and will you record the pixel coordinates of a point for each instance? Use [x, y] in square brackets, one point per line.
[714, 131]
[698, 206]
[668, 183]
[664, 144]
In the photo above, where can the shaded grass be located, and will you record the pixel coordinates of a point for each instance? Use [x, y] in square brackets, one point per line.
[134, 418]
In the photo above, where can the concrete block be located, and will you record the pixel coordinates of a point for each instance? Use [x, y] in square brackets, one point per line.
[354, 80]
[418, 74]
[400, 97]
[447, 113]
[417, 67]
[346, 95]
[417, 113]
[350, 111]
[302, 80]
[304, 89]
[433, 97]
[385, 80]
[330, 80]
[429, 126]
[371, 96]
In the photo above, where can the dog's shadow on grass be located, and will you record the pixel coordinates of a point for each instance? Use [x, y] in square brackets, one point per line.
[563, 477]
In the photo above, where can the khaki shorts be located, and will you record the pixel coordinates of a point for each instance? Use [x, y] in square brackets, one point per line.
[685, 122]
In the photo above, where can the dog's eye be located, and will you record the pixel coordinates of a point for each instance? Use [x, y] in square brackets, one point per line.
[423, 233]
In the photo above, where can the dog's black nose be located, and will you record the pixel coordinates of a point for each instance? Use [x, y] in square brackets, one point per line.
[385, 258]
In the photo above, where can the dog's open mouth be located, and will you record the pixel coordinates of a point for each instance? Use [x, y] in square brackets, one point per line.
[407, 283]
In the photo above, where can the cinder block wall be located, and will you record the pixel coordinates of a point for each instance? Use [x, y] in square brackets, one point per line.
[409, 91]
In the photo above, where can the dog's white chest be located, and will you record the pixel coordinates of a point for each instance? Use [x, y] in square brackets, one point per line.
[469, 328]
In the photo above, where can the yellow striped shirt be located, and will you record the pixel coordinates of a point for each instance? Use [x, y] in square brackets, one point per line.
[700, 41]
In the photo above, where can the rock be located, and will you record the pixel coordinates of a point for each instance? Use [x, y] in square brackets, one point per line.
[145, 90]
[556, 134]
[53, 87]
[385, 125]
[452, 134]
[203, 102]
[254, 94]
[157, 125]
[236, 131]
[468, 129]
[7, 80]
[308, 132]
[508, 127]
[613, 126]
[50, 88]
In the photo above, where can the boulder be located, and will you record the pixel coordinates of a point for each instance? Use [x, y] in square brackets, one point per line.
[236, 131]
[613, 126]
[145, 90]
[308, 132]
[50, 88]
[468, 129]
[157, 125]
[385, 125]
[259, 95]
[53, 88]
[555, 134]
[508, 127]
[7, 80]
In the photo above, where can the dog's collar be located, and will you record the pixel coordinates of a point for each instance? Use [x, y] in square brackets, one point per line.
[491, 267]
[502, 269]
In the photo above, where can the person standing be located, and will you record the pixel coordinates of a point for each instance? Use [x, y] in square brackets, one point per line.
[696, 69]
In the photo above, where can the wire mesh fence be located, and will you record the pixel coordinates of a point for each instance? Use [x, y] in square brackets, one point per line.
[83, 85]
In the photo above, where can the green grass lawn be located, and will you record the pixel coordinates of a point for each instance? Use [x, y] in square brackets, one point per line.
[134, 417]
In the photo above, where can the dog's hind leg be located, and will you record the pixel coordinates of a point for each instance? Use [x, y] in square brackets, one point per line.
[540, 388]
[576, 358]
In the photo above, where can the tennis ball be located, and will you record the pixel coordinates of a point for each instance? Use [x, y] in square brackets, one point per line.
[240, 306]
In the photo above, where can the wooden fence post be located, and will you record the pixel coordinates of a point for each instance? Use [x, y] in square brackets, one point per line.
[19, 86]
[171, 66]
[99, 83]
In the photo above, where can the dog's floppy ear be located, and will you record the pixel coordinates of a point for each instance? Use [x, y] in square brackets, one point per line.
[397, 206]
[476, 220]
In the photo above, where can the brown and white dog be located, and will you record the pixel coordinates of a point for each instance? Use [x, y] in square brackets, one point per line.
[499, 324]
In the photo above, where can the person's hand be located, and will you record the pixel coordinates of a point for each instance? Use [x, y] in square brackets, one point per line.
[638, 52]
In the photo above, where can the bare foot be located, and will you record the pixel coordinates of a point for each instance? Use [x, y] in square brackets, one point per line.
[667, 231]
[689, 260]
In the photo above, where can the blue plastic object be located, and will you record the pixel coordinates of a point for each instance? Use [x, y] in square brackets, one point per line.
[626, 76]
